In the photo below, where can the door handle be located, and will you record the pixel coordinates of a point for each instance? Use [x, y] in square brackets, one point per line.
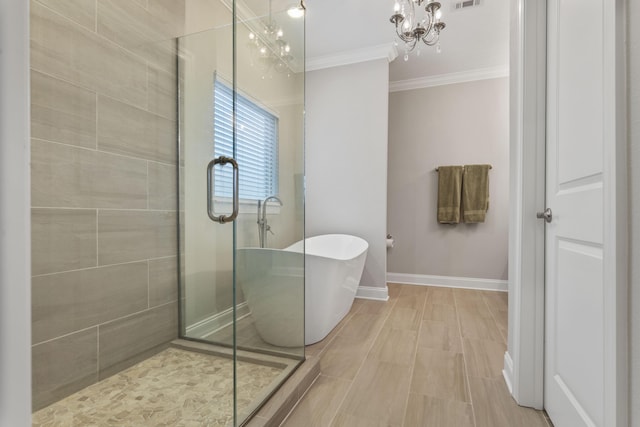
[547, 215]
[222, 160]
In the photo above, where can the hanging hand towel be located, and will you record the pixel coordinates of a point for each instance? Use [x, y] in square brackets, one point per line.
[475, 193]
[449, 187]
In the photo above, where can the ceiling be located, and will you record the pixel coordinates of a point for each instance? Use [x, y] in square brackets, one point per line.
[475, 38]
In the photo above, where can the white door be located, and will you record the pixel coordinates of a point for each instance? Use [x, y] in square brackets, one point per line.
[580, 307]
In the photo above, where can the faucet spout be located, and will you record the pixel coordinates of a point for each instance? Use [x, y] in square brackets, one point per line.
[263, 227]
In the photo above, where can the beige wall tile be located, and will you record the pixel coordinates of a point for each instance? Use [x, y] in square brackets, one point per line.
[65, 176]
[163, 93]
[144, 30]
[63, 366]
[63, 239]
[67, 302]
[170, 11]
[440, 374]
[128, 130]
[162, 186]
[81, 12]
[132, 25]
[379, 393]
[430, 411]
[65, 50]
[125, 236]
[124, 341]
[163, 281]
[320, 404]
[62, 112]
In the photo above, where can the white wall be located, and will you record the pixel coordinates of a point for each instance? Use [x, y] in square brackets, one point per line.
[15, 258]
[634, 205]
[455, 124]
[346, 157]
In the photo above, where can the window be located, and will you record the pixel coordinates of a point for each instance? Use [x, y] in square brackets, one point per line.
[257, 146]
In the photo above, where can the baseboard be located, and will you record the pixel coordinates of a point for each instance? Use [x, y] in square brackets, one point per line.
[507, 371]
[448, 281]
[216, 322]
[373, 292]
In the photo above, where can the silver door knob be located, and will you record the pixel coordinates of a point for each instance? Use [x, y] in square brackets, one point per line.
[547, 215]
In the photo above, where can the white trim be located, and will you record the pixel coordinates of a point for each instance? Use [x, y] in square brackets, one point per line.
[616, 229]
[525, 341]
[15, 216]
[450, 78]
[378, 293]
[214, 323]
[383, 51]
[507, 372]
[448, 281]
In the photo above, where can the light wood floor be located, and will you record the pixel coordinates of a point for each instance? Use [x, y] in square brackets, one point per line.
[427, 357]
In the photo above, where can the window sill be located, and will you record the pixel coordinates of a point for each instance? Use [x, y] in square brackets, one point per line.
[224, 206]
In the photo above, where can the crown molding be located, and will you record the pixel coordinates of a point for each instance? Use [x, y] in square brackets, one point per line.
[451, 78]
[347, 57]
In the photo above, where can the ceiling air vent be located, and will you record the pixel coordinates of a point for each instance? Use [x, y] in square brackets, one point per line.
[464, 4]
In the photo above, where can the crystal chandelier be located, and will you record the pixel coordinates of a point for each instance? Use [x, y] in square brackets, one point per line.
[270, 48]
[412, 29]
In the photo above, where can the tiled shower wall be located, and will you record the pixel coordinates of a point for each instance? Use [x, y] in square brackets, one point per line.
[104, 292]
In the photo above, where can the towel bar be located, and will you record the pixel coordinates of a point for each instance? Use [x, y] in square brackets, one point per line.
[490, 167]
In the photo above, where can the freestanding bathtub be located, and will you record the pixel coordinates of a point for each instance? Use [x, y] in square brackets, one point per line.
[273, 282]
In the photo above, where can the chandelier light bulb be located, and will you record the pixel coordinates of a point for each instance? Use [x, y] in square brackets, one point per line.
[268, 46]
[295, 12]
[415, 23]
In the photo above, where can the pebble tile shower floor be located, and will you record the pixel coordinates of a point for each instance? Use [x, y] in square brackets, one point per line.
[173, 388]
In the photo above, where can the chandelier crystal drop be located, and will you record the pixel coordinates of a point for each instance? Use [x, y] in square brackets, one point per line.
[412, 29]
[269, 47]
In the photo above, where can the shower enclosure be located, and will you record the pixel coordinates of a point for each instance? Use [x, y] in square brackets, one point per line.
[160, 128]
[241, 104]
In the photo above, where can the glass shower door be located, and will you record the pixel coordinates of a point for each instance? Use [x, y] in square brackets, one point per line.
[241, 123]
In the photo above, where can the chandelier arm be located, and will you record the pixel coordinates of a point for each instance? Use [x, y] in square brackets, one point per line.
[404, 37]
[431, 39]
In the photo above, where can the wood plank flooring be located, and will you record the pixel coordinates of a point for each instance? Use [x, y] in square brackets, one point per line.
[427, 357]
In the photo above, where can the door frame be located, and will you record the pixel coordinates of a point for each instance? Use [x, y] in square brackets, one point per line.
[524, 359]
[15, 216]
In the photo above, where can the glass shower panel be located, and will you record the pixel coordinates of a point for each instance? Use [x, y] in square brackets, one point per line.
[206, 247]
[242, 291]
[270, 121]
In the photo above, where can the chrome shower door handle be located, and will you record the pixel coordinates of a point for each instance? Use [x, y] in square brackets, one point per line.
[547, 215]
[222, 219]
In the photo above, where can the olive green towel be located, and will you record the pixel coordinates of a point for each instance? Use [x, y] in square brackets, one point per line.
[475, 193]
[449, 187]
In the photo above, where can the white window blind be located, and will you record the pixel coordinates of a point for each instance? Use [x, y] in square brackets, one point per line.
[257, 146]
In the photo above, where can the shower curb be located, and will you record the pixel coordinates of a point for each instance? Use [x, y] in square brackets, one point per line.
[276, 409]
